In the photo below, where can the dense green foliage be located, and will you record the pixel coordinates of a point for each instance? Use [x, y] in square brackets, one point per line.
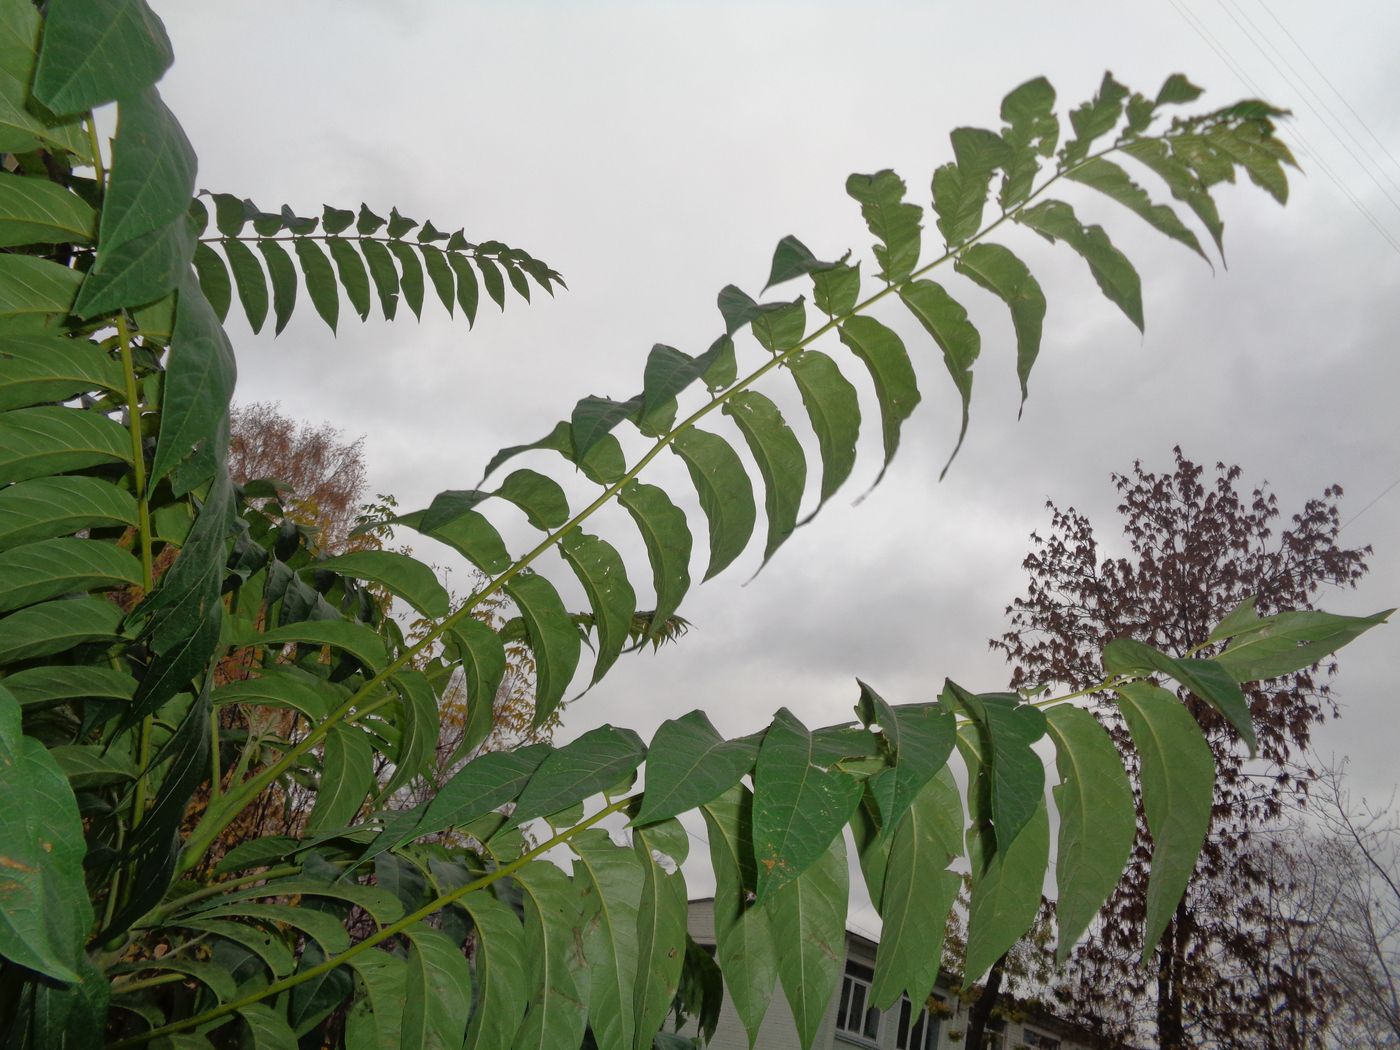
[132, 570]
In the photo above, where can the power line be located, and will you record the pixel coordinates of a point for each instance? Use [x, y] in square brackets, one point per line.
[1204, 33]
[1300, 86]
[1302, 51]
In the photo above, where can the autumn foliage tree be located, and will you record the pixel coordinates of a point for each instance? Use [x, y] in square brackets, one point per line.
[1198, 546]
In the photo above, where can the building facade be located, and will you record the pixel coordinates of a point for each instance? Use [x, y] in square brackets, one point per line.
[852, 1023]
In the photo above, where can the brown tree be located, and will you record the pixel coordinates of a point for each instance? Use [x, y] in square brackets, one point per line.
[1197, 547]
[324, 474]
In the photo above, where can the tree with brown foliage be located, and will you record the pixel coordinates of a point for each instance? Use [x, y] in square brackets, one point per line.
[1198, 546]
[323, 473]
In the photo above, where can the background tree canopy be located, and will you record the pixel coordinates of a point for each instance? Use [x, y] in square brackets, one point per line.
[130, 921]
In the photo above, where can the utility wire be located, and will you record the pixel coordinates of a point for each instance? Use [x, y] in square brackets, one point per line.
[1303, 51]
[1204, 33]
[1300, 86]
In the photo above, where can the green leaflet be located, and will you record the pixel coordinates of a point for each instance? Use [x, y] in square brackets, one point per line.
[918, 738]
[1178, 783]
[690, 764]
[36, 442]
[32, 290]
[320, 280]
[410, 275]
[283, 274]
[1097, 820]
[1288, 642]
[552, 636]
[385, 276]
[601, 461]
[198, 381]
[893, 221]
[271, 948]
[353, 638]
[1016, 776]
[594, 762]
[267, 1028]
[896, 386]
[381, 905]
[1032, 131]
[667, 538]
[808, 917]
[439, 274]
[483, 784]
[39, 369]
[483, 658]
[283, 687]
[1208, 680]
[1004, 275]
[836, 290]
[21, 129]
[960, 188]
[470, 535]
[1184, 185]
[500, 965]
[57, 626]
[539, 496]
[50, 568]
[1055, 220]
[140, 270]
[213, 280]
[780, 460]
[661, 927]
[491, 277]
[792, 258]
[604, 577]
[747, 954]
[1112, 181]
[351, 270]
[669, 372]
[917, 893]
[44, 685]
[834, 410]
[323, 928]
[1007, 896]
[468, 293]
[214, 977]
[777, 326]
[347, 776]
[419, 727]
[95, 51]
[609, 879]
[556, 1012]
[44, 911]
[86, 767]
[726, 496]
[406, 577]
[1093, 119]
[592, 419]
[153, 172]
[799, 805]
[944, 318]
[375, 1018]
[37, 211]
[438, 992]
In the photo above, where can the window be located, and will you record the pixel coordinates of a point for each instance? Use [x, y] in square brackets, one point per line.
[995, 1038]
[1036, 1041]
[918, 1032]
[855, 1016]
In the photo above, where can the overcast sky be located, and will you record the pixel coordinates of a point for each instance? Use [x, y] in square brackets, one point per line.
[654, 152]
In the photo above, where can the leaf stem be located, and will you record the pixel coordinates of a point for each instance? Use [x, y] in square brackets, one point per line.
[158, 915]
[384, 933]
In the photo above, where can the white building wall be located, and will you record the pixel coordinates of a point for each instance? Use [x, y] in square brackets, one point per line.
[779, 1031]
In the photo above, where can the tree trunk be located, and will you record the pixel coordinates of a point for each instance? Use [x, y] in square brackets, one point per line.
[1171, 1030]
[981, 1011]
